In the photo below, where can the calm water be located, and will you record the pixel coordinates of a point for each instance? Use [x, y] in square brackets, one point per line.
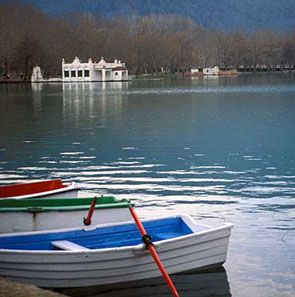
[220, 149]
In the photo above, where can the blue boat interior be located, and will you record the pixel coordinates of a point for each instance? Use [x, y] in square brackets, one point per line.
[104, 237]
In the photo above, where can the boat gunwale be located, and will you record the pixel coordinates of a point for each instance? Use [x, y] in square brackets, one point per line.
[133, 248]
[68, 187]
[61, 204]
[38, 209]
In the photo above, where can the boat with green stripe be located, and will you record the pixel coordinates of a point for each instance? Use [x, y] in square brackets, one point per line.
[19, 215]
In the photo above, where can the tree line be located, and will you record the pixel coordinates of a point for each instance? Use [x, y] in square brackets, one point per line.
[148, 44]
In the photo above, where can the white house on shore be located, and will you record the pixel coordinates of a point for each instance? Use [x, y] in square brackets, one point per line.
[92, 71]
[195, 72]
[211, 71]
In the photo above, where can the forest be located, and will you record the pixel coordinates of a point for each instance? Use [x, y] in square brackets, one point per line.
[147, 44]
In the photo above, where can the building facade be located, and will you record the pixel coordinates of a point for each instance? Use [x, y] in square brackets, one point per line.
[211, 71]
[37, 75]
[92, 71]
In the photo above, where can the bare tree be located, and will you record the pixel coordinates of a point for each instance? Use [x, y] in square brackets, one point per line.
[238, 48]
[147, 43]
[288, 51]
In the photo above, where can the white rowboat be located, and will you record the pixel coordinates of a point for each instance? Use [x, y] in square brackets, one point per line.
[111, 253]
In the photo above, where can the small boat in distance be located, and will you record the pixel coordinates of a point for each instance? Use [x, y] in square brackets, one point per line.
[53, 188]
[20, 215]
[111, 253]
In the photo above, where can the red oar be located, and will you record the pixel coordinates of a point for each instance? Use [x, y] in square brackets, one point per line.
[147, 240]
[87, 220]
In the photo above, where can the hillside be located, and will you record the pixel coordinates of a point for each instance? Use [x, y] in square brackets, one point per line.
[250, 15]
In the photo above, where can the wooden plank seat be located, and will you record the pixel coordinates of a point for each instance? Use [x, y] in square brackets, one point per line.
[68, 246]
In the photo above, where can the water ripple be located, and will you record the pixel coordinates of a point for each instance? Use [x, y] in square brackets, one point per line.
[211, 90]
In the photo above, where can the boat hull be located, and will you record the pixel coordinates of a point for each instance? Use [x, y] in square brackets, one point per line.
[64, 269]
[52, 188]
[22, 215]
[36, 221]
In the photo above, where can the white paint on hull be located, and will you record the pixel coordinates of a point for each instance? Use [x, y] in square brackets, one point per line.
[22, 221]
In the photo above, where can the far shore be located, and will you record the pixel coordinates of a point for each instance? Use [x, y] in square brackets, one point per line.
[157, 76]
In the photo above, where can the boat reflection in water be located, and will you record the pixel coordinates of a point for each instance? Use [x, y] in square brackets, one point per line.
[206, 283]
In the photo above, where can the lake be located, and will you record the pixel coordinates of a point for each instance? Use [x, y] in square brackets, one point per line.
[219, 149]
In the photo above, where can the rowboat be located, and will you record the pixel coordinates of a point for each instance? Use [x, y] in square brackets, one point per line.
[111, 253]
[53, 188]
[19, 215]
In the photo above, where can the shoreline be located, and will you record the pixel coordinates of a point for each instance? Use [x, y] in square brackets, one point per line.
[143, 77]
[9, 288]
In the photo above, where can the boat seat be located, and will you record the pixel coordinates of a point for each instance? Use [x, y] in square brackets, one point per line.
[68, 245]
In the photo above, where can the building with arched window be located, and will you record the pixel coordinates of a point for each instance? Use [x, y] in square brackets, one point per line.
[92, 71]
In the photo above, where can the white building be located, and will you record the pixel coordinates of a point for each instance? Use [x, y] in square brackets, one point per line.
[92, 71]
[37, 74]
[195, 71]
[211, 71]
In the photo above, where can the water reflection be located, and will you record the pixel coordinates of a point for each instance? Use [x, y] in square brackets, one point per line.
[92, 99]
[37, 87]
[89, 88]
[209, 283]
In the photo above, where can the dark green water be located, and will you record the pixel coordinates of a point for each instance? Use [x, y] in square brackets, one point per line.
[220, 149]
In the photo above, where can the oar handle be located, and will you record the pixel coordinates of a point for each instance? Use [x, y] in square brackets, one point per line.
[87, 220]
[154, 253]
